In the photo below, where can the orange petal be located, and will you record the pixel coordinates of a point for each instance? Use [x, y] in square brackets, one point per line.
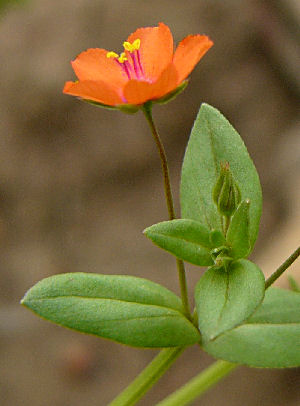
[97, 91]
[138, 92]
[188, 53]
[156, 49]
[94, 65]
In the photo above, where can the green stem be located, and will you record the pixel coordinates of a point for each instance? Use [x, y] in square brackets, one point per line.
[147, 110]
[199, 384]
[282, 268]
[206, 379]
[147, 378]
[227, 224]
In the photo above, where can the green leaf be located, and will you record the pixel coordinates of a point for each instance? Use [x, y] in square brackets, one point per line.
[217, 238]
[129, 310]
[186, 239]
[293, 284]
[269, 339]
[225, 299]
[238, 231]
[213, 140]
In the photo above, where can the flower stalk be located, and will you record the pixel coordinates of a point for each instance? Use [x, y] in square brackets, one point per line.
[147, 110]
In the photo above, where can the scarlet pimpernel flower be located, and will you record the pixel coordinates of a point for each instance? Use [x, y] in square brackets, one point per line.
[147, 70]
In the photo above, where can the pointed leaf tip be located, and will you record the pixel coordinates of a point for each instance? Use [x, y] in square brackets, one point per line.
[186, 239]
[128, 310]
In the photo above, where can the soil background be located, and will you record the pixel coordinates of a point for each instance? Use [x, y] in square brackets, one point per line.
[78, 184]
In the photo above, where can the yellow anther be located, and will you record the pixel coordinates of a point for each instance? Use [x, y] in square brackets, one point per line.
[136, 43]
[112, 54]
[132, 47]
[122, 58]
[127, 46]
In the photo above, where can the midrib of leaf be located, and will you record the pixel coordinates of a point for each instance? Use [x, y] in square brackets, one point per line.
[254, 324]
[271, 313]
[226, 298]
[213, 152]
[182, 239]
[102, 298]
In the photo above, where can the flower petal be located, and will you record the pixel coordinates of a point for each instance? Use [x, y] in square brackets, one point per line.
[97, 91]
[156, 49]
[188, 53]
[138, 92]
[94, 65]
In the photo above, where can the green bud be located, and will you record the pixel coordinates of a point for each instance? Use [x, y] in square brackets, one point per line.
[226, 193]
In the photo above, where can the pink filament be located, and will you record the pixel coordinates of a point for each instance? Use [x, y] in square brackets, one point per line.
[132, 70]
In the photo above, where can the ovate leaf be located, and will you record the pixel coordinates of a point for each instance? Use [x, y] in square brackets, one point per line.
[126, 309]
[186, 239]
[225, 299]
[214, 141]
[270, 338]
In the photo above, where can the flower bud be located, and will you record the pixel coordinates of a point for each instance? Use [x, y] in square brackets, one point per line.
[226, 193]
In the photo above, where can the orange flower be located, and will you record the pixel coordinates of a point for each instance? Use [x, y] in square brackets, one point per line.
[148, 69]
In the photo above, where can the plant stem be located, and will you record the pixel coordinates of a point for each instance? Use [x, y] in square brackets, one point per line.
[147, 378]
[206, 379]
[199, 384]
[226, 225]
[282, 268]
[147, 110]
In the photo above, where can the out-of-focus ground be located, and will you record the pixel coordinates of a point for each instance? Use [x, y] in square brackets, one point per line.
[79, 184]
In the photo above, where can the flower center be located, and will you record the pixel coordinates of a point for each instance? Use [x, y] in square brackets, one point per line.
[130, 60]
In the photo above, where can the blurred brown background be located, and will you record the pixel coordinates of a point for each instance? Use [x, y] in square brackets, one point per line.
[78, 184]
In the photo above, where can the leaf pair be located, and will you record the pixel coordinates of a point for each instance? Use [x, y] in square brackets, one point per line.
[213, 141]
[191, 241]
[126, 309]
